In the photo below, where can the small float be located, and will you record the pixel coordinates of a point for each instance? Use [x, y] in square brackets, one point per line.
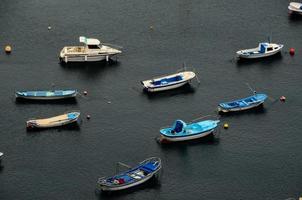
[93, 50]
[60, 120]
[243, 104]
[180, 131]
[134, 176]
[264, 49]
[168, 82]
[295, 8]
[46, 94]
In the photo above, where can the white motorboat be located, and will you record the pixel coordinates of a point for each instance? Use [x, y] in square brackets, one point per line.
[168, 82]
[263, 50]
[93, 50]
[295, 8]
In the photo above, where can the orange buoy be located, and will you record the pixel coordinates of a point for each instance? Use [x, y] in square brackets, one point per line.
[282, 98]
[292, 51]
[8, 49]
[88, 116]
[85, 92]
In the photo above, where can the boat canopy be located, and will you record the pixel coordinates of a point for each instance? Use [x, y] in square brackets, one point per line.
[262, 47]
[89, 41]
[178, 126]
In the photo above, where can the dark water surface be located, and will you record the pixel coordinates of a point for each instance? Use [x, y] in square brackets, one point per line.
[258, 157]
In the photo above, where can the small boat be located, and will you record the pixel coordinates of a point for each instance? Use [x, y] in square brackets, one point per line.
[137, 175]
[295, 8]
[1, 155]
[243, 104]
[180, 131]
[60, 120]
[92, 50]
[263, 50]
[168, 82]
[46, 94]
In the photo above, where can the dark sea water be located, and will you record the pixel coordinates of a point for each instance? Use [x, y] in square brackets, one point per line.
[258, 157]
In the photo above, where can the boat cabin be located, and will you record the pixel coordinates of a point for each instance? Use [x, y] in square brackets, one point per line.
[267, 47]
[91, 43]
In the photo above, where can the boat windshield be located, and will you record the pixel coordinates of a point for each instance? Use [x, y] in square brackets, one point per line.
[93, 47]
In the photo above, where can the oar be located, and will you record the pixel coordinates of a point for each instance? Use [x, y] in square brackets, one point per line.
[252, 90]
[197, 79]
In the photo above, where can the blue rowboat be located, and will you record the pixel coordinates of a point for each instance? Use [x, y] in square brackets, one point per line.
[180, 131]
[242, 104]
[168, 82]
[46, 95]
[134, 176]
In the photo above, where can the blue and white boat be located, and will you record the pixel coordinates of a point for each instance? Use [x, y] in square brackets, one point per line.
[263, 50]
[137, 175]
[243, 104]
[168, 82]
[46, 94]
[295, 8]
[180, 131]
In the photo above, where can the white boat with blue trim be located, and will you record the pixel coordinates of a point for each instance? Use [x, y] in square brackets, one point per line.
[134, 176]
[263, 50]
[60, 120]
[180, 131]
[168, 82]
[93, 50]
[243, 104]
[295, 8]
[46, 94]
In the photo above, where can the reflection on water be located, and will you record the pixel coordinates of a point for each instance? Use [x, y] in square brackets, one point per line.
[90, 69]
[152, 184]
[254, 111]
[184, 90]
[267, 61]
[56, 101]
[68, 127]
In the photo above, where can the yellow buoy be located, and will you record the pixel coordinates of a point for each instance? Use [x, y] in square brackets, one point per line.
[226, 125]
[8, 49]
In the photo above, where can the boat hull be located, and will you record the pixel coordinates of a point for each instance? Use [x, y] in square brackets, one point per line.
[164, 88]
[86, 58]
[221, 109]
[260, 55]
[1, 155]
[186, 138]
[118, 188]
[46, 97]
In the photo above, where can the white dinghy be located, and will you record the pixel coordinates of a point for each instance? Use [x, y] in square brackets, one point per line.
[168, 82]
[263, 50]
[295, 8]
[1, 155]
[93, 50]
[60, 120]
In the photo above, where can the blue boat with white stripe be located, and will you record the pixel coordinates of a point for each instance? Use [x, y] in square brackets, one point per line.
[243, 104]
[137, 175]
[46, 94]
[180, 131]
